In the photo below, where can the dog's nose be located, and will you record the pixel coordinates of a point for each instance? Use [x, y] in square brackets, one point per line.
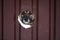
[26, 19]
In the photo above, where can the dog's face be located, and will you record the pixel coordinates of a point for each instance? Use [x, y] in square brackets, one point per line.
[27, 17]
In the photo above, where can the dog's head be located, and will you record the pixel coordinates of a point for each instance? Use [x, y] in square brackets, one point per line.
[27, 17]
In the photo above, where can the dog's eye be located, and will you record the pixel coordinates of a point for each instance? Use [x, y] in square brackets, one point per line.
[32, 16]
[22, 15]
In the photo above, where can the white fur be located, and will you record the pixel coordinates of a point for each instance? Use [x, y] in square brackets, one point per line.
[23, 25]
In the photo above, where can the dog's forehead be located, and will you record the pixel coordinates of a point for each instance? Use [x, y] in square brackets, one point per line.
[26, 12]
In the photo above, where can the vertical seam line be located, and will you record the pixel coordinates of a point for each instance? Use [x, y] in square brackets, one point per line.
[37, 21]
[54, 19]
[49, 19]
[32, 27]
[2, 17]
[14, 19]
[19, 24]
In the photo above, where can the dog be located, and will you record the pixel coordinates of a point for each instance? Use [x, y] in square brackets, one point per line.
[26, 18]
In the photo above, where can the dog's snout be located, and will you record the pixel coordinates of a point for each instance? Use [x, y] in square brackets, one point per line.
[26, 19]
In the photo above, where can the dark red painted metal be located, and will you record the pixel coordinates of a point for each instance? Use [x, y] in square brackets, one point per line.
[45, 27]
